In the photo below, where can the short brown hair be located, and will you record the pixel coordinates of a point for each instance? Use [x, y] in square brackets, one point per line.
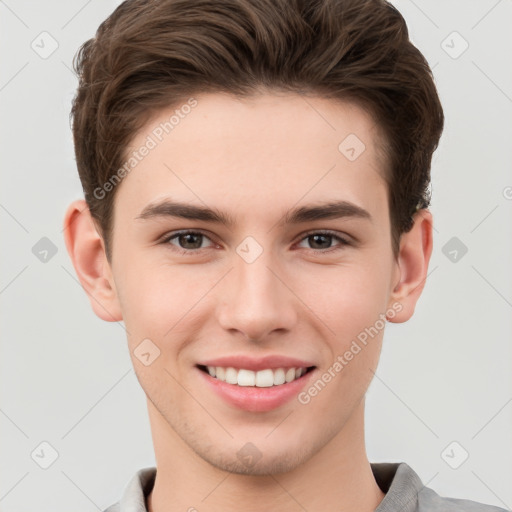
[153, 54]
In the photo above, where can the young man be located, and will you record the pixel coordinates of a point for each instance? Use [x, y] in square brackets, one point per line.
[256, 179]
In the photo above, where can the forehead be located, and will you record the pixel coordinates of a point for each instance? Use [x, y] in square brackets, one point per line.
[251, 152]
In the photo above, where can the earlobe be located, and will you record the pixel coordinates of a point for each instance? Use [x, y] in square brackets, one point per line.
[86, 250]
[414, 257]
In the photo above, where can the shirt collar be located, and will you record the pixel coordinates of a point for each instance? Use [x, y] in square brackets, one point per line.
[401, 485]
[397, 479]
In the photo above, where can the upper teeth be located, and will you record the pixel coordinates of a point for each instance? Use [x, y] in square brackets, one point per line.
[260, 379]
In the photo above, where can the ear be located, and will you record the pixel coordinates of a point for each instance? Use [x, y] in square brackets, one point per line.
[87, 251]
[413, 260]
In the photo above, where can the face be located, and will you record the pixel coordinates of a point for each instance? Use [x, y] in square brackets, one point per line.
[275, 287]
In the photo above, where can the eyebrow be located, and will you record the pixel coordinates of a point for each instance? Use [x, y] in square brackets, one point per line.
[330, 210]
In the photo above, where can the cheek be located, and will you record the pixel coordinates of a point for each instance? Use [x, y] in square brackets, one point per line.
[348, 298]
[162, 302]
[352, 306]
[145, 294]
[355, 346]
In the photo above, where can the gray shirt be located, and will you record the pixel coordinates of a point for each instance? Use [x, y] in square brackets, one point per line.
[403, 488]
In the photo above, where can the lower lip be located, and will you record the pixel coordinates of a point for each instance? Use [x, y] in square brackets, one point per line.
[254, 399]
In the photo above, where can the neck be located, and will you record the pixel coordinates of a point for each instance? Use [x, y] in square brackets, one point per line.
[337, 477]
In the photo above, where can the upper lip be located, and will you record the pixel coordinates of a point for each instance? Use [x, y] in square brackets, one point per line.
[256, 364]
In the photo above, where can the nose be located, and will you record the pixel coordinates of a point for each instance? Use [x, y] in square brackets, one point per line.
[257, 298]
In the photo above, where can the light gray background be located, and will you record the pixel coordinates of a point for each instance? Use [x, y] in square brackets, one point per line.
[67, 379]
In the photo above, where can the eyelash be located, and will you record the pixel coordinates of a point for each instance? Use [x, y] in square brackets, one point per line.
[343, 241]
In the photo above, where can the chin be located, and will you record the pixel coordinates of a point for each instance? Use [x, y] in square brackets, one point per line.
[250, 461]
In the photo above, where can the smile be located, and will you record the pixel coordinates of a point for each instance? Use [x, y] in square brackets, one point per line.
[262, 379]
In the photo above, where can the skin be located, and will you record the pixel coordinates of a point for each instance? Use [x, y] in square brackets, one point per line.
[255, 159]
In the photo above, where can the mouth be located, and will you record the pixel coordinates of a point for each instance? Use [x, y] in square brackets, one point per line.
[264, 378]
[259, 390]
[256, 384]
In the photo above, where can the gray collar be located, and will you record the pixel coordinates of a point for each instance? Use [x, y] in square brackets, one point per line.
[398, 480]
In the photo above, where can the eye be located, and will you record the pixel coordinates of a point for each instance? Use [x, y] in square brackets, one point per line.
[188, 241]
[322, 239]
